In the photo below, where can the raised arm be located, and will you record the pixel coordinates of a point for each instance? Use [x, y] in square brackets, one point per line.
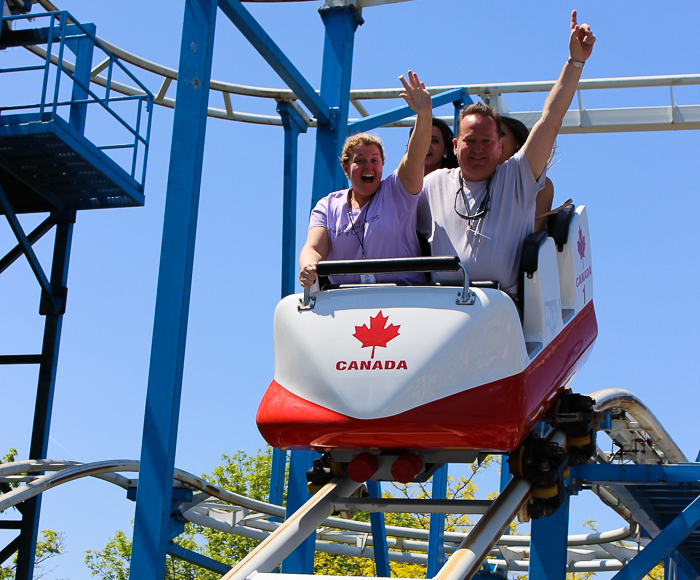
[411, 167]
[538, 146]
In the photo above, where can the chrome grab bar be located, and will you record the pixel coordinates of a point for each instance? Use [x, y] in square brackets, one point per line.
[465, 297]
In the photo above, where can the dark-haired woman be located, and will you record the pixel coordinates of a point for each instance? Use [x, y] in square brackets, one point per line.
[441, 153]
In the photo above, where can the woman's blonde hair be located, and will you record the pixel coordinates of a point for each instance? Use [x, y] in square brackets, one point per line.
[359, 139]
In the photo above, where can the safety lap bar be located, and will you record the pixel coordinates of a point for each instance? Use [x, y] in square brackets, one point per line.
[393, 266]
[389, 266]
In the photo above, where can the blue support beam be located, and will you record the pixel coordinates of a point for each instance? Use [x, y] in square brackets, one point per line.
[459, 104]
[277, 471]
[436, 535]
[301, 560]
[52, 306]
[83, 48]
[35, 235]
[677, 568]
[340, 26]
[24, 244]
[393, 115]
[153, 502]
[596, 473]
[505, 473]
[548, 544]
[274, 56]
[33, 36]
[381, 548]
[46, 384]
[293, 125]
[197, 559]
[663, 544]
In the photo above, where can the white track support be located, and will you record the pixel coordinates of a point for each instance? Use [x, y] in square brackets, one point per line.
[625, 400]
[668, 116]
[293, 531]
[466, 561]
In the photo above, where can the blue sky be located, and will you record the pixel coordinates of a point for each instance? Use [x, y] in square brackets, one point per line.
[640, 189]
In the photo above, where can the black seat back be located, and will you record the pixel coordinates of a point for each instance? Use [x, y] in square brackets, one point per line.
[558, 225]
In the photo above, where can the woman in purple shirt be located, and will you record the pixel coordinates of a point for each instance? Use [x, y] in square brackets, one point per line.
[374, 218]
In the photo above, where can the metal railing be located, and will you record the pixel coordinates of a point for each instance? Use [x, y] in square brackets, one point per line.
[60, 30]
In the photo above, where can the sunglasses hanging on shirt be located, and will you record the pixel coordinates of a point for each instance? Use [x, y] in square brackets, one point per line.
[484, 207]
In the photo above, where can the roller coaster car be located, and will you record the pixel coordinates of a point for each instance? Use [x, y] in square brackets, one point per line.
[436, 373]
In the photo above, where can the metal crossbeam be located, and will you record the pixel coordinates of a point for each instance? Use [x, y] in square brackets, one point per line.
[25, 244]
[663, 544]
[394, 115]
[581, 120]
[636, 474]
[274, 56]
[36, 234]
[403, 506]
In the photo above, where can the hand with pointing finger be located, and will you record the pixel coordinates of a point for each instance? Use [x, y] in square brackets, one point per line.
[581, 40]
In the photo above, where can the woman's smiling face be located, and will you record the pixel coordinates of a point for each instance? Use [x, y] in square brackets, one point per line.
[433, 160]
[364, 170]
[509, 143]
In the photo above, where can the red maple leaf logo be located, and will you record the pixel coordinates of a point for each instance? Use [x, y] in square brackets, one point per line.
[378, 334]
[581, 244]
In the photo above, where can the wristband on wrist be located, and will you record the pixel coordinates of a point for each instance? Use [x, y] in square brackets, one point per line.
[576, 63]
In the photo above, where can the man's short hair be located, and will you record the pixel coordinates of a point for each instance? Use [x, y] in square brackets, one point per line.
[481, 110]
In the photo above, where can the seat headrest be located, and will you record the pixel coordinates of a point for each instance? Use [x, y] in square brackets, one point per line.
[558, 225]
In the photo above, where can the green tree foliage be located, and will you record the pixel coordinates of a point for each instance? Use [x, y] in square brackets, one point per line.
[250, 476]
[51, 544]
[239, 473]
[9, 457]
[112, 562]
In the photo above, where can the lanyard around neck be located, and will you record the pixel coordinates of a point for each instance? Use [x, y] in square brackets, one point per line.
[364, 223]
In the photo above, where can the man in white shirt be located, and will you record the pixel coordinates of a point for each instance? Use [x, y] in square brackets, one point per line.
[481, 211]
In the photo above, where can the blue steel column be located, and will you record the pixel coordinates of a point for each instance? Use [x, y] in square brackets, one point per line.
[340, 25]
[505, 472]
[548, 544]
[381, 549]
[53, 307]
[459, 105]
[83, 48]
[53, 310]
[301, 560]
[293, 125]
[436, 536]
[154, 494]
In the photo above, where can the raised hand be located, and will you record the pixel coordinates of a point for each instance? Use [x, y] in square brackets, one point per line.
[581, 40]
[416, 95]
